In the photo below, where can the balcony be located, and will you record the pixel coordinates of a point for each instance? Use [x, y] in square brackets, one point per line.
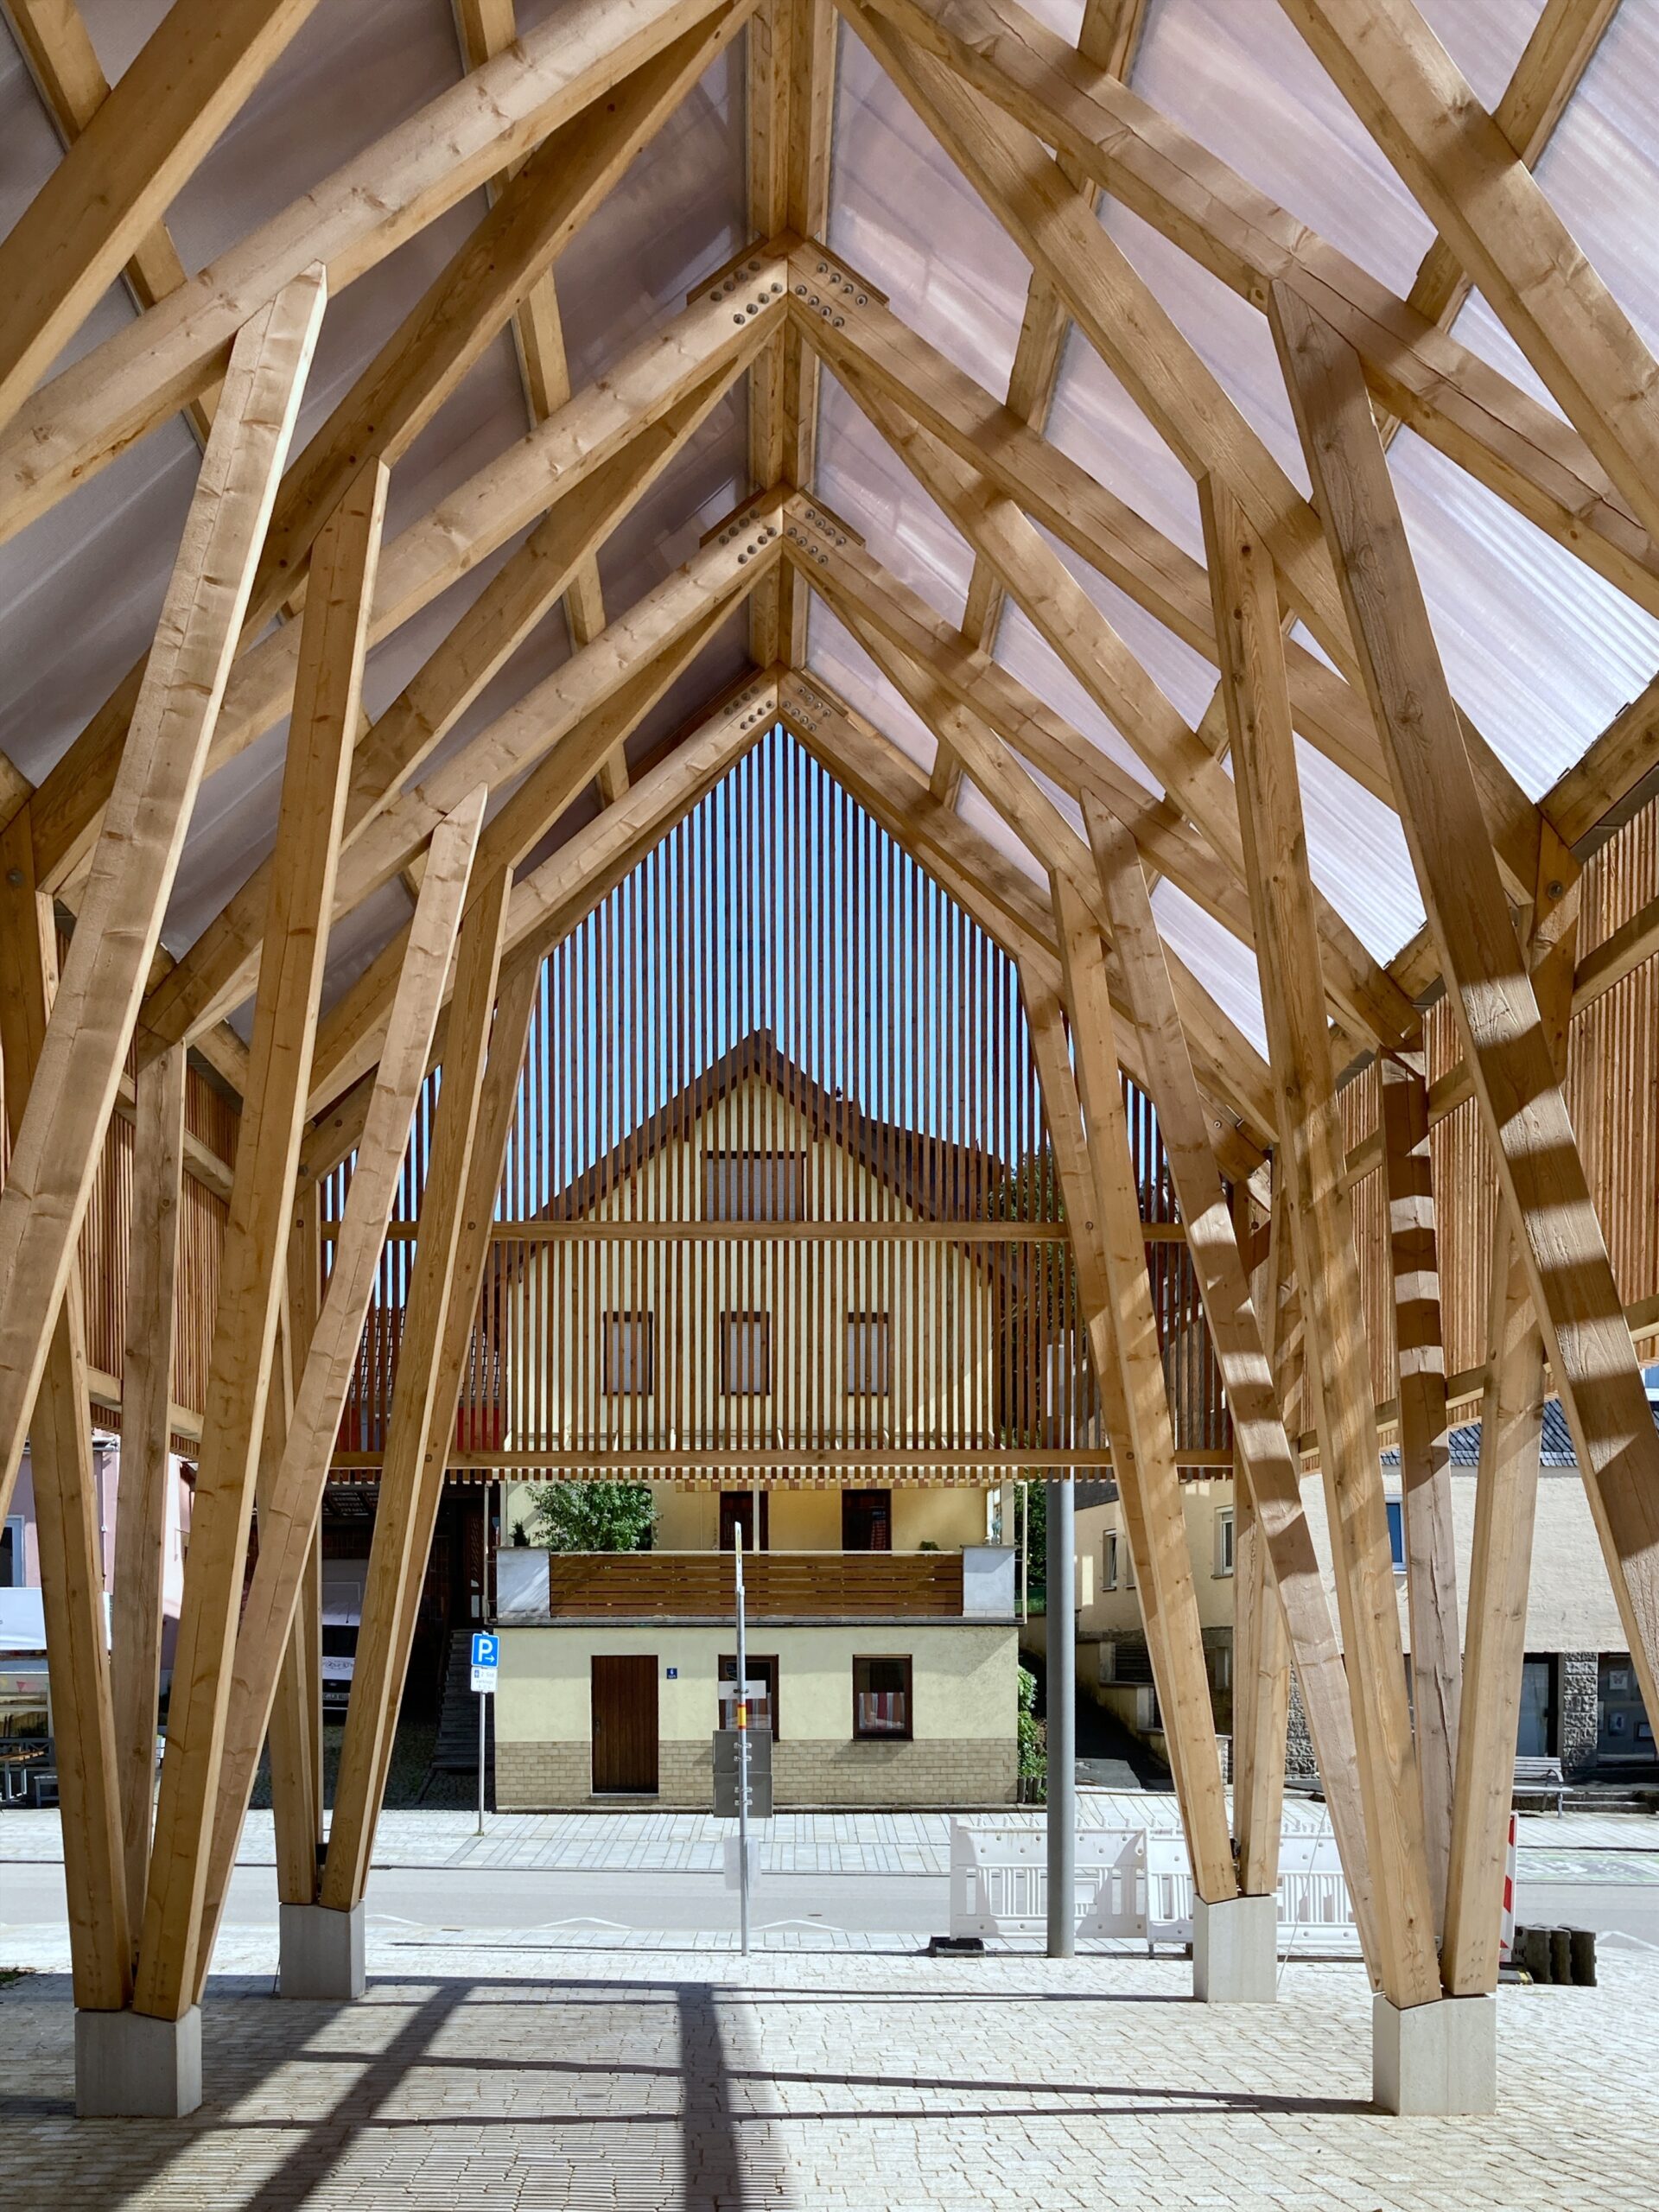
[974, 1583]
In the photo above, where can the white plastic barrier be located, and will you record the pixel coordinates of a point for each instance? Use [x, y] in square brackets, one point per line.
[999, 1881]
[1131, 1882]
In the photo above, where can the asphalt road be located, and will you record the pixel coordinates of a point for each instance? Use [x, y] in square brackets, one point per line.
[450, 1900]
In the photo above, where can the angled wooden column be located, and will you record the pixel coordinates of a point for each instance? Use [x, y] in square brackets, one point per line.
[1261, 1658]
[296, 1815]
[1244, 1353]
[327, 705]
[299, 1693]
[515, 1005]
[1164, 1568]
[1313, 1153]
[290, 1509]
[66, 1499]
[417, 1441]
[1505, 1037]
[61, 1134]
[1039, 986]
[1500, 1553]
[146, 1444]
[1425, 1453]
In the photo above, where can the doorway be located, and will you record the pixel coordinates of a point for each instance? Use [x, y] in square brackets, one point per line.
[866, 1520]
[625, 1724]
[737, 1511]
[1534, 1737]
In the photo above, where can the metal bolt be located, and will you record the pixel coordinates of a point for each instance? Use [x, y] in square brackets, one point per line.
[15, 878]
[1555, 890]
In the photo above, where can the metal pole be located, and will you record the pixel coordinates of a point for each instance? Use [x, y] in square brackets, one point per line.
[483, 1607]
[742, 1753]
[1062, 1724]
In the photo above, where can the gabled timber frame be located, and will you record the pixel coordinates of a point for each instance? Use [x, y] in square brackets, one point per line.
[280, 588]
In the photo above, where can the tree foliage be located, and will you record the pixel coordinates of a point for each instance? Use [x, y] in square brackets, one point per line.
[592, 1517]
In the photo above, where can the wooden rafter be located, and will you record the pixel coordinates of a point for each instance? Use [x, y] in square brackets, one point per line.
[53, 38]
[1457, 162]
[1473, 413]
[792, 91]
[1107, 38]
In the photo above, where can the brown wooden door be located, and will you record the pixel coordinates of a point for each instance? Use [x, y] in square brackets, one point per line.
[625, 1723]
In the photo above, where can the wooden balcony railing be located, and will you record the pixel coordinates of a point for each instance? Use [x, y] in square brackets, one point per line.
[700, 1585]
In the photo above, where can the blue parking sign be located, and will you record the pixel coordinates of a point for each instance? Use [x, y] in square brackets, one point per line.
[486, 1650]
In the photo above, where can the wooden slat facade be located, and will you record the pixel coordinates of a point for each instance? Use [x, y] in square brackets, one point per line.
[777, 1585]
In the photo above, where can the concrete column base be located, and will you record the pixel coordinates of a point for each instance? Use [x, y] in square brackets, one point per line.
[320, 1953]
[1437, 2058]
[129, 2066]
[1234, 1950]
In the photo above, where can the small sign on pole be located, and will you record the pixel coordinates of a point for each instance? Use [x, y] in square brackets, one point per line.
[486, 1658]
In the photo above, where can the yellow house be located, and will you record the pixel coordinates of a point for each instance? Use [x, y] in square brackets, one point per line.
[762, 1276]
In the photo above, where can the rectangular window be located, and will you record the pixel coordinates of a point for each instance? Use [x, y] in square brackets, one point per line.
[870, 1355]
[881, 1706]
[627, 1355]
[1109, 1559]
[1398, 1532]
[746, 1355]
[867, 1521]
[753, 1185]
[1225, 1540]
[763, 1691]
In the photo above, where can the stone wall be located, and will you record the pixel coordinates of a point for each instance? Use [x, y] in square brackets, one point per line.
[1579, 1693]
[940, 1773]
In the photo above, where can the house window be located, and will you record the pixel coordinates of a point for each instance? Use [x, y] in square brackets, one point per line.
[867, 1521]
[870, 1355]
[1109, 1559]
[737, 1511]
[763, 1711]
[753, 1185]
[627, 1356]
[1397, 1533]
[11, 1553]
[881, 1699]
[746, 1355]
[1225, 1538]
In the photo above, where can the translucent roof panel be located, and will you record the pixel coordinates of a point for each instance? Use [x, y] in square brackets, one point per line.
[1221, 964]
[866, 484]
[904, 217]
[1243, 83]
[835, 654]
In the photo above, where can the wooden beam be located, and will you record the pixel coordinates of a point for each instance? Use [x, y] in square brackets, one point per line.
[1143, 1435]
[78, 422]
[1515, 445]
[852, 328]
[213, 978]
[791, 93]
[1107, 38]
[53, 38]
[61, 1135]
[1311, 1155]
[289, 1507]
[1593, 1359]
[507, 496]
[561, 744]
[1561, 47]
[1369, 1004]
[488, 27]
[1425, 1453]
[120, 176]
[295, 1733]
[1243, 1351]
[1456, 161]
[1261, 1671]
[253, 1263]
[146, 1476]
[1500, 1552]
[67, 1507]
[420, 1426]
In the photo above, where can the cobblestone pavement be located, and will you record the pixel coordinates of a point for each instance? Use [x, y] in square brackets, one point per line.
[857, 2084]
[794, 1843]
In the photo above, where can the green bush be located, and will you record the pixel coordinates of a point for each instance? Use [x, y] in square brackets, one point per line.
[592, 1517]
[1033, 1751]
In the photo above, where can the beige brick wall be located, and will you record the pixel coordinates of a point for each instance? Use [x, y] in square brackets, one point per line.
[941, 1772]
